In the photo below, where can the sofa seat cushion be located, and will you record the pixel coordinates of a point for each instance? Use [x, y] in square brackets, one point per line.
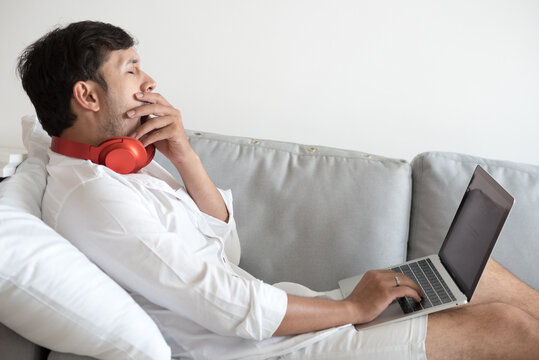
[439, 182]
[311, 215]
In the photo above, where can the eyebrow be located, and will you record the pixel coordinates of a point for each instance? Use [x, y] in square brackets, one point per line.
[132, 61]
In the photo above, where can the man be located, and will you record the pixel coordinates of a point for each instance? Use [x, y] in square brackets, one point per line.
[165, 243]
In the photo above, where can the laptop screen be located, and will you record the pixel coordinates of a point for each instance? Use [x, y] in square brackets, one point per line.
[474, 230]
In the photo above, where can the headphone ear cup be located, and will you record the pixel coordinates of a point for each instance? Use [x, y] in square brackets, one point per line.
[150, 151]
[124, 155]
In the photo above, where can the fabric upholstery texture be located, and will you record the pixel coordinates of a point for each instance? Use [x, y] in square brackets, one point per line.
[312, 215]
[14, 346]
[439, 182]
[66, 356]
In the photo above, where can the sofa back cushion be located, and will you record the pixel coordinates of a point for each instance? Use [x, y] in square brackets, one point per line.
[439, 182]
[311, 215]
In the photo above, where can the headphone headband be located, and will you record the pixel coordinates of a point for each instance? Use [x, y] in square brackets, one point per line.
[122, 154]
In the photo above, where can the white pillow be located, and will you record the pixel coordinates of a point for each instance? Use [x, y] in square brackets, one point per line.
[50, 293]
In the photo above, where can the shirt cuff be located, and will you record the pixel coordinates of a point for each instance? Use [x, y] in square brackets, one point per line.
[219, 227]
[226, 230]
[268, 309]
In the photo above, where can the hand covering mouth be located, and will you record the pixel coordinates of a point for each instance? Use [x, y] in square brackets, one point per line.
[144, 118]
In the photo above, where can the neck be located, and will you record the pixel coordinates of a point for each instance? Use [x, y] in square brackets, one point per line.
[83, 130]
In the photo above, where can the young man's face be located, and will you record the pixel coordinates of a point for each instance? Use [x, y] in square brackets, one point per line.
[124, 79]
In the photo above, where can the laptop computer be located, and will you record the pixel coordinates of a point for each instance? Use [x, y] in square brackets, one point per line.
[450, 278]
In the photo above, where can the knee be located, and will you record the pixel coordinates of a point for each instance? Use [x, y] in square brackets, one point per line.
[509, 321]
[484, 331]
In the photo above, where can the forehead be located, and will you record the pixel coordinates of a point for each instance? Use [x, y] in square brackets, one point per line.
[119, 59]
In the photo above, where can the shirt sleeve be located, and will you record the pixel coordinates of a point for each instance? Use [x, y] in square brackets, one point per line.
[110, 223]
[226, 230]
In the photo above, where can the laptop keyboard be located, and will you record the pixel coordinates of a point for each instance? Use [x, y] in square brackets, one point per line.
[427, 277]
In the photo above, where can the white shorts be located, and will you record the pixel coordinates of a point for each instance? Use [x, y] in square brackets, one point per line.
[400, 340]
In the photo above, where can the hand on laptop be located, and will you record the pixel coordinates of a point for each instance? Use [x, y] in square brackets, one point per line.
[377, 290]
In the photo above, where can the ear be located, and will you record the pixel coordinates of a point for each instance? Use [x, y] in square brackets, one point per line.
[86, 95]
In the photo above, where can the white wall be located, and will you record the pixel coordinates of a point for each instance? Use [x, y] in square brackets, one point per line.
[390, 77]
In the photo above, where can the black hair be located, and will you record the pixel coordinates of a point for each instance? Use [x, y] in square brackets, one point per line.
[50, 67]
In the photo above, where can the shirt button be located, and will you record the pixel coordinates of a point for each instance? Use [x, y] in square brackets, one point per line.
[224, 259]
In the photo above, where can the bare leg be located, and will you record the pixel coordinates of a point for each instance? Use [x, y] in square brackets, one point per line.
[501, 322]
[499, 285]
[485, 331]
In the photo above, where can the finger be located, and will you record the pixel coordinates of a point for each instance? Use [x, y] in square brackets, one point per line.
[403, 291]
[163, 133]
[150, 109]
[150, 125]
[154, 98]
[406, 281]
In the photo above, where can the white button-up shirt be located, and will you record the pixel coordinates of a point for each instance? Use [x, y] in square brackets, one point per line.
[146, 232]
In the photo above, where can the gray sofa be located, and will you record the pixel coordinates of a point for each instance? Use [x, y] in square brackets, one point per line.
[315, 215]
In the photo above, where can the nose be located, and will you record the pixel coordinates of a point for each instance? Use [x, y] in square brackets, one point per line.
[149, 84]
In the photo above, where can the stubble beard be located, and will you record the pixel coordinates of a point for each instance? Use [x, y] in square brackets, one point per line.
[114, 124]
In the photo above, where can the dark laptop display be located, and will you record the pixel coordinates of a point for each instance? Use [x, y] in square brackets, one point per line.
[474, 230]
[449, 278]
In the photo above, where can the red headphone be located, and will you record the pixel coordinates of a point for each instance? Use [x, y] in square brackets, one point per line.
[123, 154]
